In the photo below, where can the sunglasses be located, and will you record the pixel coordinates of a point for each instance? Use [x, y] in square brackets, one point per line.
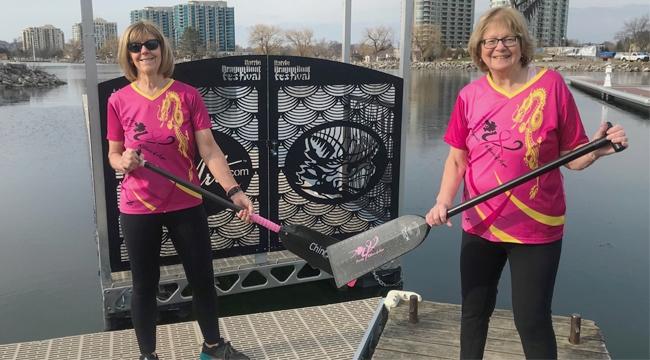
[135, 47]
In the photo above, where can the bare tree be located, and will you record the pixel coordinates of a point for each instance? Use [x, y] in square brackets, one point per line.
[301, 39]
[379, 38]
[266, 39]
[108, 51]
[327, 49]
[426, 40]
[73, 50]
[636, 31]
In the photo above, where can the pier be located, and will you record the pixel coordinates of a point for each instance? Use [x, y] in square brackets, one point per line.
[321, 332]
[436, 335]
[633, 96]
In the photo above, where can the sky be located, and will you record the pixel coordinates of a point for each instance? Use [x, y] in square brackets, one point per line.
[323, 16]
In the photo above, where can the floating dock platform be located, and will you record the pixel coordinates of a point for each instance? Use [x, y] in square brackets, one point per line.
[633, 96]
[320, 332]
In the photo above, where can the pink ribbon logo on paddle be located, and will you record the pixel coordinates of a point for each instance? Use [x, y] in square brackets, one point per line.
[364, 252]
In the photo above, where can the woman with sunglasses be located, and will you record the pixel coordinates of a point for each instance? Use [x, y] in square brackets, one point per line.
[166, 120]
[512, 120]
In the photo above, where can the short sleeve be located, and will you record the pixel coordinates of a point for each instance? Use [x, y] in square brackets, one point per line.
[572, 132]
[457, 130]
[200, 116]
[114, 129]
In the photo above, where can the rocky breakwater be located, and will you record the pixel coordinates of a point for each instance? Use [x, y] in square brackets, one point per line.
[14, 75]
[559, 66]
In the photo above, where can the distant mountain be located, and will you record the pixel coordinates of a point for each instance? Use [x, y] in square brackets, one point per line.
[592, 25]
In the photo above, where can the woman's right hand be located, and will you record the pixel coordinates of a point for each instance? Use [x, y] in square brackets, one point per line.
[130, 160]
[438, 215]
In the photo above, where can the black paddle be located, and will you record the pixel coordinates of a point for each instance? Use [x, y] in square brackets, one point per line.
[364, 252]
[300, 240]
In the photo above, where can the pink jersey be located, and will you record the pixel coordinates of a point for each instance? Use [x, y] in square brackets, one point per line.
[510, 134]
[163, 127]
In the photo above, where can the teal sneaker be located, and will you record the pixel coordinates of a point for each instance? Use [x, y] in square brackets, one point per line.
[223, 351]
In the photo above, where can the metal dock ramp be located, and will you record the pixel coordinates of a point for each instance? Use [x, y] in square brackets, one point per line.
[321, 332]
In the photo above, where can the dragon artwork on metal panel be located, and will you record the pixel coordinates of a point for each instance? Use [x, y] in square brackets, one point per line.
[234, 115]
[336, 156]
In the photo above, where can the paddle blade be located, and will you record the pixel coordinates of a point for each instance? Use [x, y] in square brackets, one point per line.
[308, 244]
[362, 253]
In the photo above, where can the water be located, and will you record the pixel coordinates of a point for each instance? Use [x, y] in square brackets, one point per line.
[49, 285]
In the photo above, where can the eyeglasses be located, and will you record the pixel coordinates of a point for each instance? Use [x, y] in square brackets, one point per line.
[492, 43]
[135, 47]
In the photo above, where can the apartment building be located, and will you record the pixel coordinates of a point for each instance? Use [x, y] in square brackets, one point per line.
[45, 37]
[104, 30]
[455, 18]
[163, 16]
[549, 23]
[214, 21]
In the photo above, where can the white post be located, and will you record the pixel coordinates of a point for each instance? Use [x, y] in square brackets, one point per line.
[405, 73]
[33, 46]
[94, 129]
[347, 20]
[608, 76]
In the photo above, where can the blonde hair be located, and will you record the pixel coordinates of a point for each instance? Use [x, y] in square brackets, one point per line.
[135, 32]
[512, 20]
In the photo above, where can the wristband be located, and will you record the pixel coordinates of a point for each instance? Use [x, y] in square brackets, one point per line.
[233, 190]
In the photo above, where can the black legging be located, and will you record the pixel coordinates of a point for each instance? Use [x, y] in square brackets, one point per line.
[533, 269]
[188, 231]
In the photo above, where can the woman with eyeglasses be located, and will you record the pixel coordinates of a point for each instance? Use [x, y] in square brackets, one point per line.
[512, 120]
[166, 120]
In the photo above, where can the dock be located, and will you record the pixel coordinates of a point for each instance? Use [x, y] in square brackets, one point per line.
[436, 335]
[633, 96]
[321, 332]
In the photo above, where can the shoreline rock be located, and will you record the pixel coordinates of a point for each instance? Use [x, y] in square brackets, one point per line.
[469, 66]
[19, 75]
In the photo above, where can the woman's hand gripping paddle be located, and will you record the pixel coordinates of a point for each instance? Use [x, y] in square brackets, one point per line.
[364, 252]
[300, 240]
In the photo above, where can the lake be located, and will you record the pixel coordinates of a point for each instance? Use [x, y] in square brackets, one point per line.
[49, 283]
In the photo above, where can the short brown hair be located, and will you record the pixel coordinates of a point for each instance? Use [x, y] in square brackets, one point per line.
[135, 32]
[511, 19]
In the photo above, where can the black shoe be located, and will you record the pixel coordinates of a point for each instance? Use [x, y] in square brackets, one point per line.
[149, 357]
[223, 351]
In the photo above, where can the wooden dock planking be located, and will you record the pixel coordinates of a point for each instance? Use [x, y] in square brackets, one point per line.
[437, 336]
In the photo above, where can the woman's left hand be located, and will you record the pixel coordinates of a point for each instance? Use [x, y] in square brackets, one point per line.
[241, 199]
[615, 134]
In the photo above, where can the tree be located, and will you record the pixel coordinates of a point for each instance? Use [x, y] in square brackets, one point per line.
[636, 32]
[301, 40]
[108, 51]
[379, 39]
[526, 7]
[426, 40]
[190, 42]
[73, 50]
[327, 49]
[266, 39]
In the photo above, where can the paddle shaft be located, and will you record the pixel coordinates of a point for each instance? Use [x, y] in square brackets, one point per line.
[256, 218]
[589, 147]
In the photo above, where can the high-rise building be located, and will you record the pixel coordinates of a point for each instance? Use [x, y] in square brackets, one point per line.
[213, 20]
[45, 37]
[162, 16]
[103, 30]
[549, 22]
[455, 18]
